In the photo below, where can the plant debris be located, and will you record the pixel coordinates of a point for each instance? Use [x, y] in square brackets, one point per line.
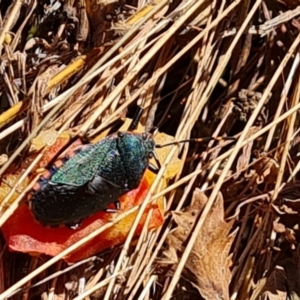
[209, 260]
[77, 70]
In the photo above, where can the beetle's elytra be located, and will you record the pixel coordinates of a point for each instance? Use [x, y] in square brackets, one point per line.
[94, 177]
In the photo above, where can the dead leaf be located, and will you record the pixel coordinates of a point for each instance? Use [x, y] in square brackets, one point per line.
[7, 183]
[290, 236]
[175, 164]
[273, 287]
[184, 221]
[209, 260]
[288, 210]
[3, 159]
[283, 282]
[278, 227]
[266, 169]
[45, 138]
[245, 157]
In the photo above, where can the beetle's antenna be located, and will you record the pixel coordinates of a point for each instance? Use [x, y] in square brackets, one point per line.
[153, 130]
[199, 140]
[136, 118]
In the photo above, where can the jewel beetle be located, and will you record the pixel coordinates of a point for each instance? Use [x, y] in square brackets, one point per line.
[93, 177]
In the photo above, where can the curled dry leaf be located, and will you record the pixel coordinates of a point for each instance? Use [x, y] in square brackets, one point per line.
[278, 227]
[288, 210]
[175, 164]
[245, 157]
[52, 143]
[209, 260]
[24, 234]
[3, 159]
[7, 183]
[282, 281]
[271, 288]
[266, 169]
[44, 138]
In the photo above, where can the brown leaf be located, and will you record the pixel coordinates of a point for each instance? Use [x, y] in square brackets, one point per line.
[3, 159]
[278, 227]
[185, 221]
[283, 281]
[288, 210]
[209, 260]
[175, 163]
[245, 157]
[170, 256]
[266, 169]
[273, 287]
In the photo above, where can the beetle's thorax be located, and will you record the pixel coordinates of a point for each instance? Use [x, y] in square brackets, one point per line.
[135, 150]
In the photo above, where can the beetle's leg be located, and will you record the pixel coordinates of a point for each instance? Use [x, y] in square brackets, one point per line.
[117, 204]
[53, 169]
[74, 226]
[111, 210]
[153, 168]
